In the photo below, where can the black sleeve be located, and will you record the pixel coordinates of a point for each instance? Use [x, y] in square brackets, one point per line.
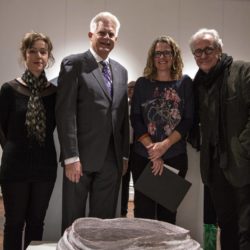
[188, 112]
[5, 107]
[193, 137]
[136, 115]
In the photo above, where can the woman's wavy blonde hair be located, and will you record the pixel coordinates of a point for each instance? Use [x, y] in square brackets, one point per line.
[177, 66]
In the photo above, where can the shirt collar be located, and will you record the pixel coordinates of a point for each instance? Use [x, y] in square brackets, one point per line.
[97, 57]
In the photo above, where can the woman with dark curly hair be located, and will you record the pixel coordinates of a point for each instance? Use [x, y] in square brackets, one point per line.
[161, 115]
[29, 164]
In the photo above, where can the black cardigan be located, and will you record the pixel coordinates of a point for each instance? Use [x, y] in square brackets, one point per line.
[23, 159]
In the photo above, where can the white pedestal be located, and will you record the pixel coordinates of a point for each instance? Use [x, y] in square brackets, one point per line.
[42, 245]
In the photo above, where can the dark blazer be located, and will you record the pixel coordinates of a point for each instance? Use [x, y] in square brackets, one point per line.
[236, 124]
[236, 117]
[87, 117]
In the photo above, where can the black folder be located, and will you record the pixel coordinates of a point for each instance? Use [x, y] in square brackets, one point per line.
[167, 189]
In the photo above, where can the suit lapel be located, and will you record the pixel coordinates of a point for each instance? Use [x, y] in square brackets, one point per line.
[115, 79]
[97, 73]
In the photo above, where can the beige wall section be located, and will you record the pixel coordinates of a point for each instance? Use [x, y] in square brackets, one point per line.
[67, 23]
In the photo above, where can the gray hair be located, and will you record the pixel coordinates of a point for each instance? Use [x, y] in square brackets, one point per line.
[203, 32]
[104, 16]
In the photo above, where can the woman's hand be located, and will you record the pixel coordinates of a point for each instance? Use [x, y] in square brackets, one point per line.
[158, 149]
[157, 167]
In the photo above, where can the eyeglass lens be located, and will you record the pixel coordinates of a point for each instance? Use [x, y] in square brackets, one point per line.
[164, 53]
[207, 51]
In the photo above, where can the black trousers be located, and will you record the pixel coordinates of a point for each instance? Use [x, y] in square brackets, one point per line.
[146, 207]
[209, 214]
[101, 187]
[125, 186]
[232, 206]
[25, 205]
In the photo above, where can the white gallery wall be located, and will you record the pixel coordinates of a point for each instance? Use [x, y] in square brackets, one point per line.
[67, 24]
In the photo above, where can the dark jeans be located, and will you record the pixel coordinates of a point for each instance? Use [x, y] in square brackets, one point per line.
[25, 205]
[232, 207]
[146, 207]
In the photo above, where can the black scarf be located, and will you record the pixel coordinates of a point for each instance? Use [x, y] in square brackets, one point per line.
[209, 92]
[210, 78]
[36, 115]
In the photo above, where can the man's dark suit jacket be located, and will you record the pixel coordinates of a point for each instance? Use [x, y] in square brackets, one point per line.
[86, 115]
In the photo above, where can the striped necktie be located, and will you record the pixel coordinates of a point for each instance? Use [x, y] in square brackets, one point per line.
[107, 76]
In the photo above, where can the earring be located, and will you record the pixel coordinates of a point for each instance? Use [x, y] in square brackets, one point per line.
[173, 66]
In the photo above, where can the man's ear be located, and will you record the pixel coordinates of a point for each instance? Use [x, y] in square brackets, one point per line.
[90, 34]
[220, 52]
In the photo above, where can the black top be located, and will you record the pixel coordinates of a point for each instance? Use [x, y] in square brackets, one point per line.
[23, 159]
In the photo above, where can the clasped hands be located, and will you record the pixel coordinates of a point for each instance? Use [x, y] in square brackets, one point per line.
[155, 152]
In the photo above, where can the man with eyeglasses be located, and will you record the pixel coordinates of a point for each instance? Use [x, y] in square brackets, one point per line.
[222, 97]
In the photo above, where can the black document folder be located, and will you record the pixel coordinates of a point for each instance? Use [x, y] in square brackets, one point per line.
[168, 190]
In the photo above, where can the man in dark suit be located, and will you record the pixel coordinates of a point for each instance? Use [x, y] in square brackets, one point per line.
[92, 123]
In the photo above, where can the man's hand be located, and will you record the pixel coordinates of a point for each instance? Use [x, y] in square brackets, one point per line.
[73, 171]
[125, 167]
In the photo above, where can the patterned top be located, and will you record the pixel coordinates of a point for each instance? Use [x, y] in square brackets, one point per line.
[159, 108]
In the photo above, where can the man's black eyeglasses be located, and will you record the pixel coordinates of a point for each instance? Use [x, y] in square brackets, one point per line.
[165, 53]
[207, 51]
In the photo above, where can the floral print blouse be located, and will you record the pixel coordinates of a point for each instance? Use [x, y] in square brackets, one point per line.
[158, 108]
